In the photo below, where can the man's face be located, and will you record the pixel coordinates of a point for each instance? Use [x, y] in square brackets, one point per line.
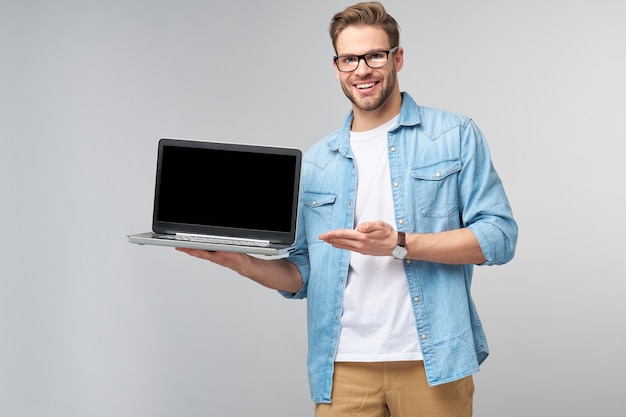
[368, 88]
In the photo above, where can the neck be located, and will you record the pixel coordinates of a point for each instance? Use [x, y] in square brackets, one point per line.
[368, 120]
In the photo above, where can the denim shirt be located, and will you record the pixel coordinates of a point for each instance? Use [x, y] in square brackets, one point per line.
[442, 179]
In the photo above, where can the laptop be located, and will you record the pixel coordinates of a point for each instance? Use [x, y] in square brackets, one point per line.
[221, 196]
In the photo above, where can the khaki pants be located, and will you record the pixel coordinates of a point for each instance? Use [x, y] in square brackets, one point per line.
[398, 389]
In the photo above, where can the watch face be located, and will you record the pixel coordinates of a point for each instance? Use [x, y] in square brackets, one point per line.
[399, 252]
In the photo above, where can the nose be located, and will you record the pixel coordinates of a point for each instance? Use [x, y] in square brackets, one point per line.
[362, 67]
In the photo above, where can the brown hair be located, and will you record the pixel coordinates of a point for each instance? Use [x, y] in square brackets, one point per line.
[366, 13]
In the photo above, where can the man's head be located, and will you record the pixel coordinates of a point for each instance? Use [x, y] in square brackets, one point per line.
[368, 58]
[365, 14]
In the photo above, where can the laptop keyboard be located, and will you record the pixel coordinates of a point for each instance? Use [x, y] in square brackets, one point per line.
[217, 240]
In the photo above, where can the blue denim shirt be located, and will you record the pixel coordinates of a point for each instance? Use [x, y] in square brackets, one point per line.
[442, 179]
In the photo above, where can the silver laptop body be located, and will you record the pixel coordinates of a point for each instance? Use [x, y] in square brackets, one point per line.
[221, 196]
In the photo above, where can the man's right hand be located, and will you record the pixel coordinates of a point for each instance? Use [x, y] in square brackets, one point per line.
[238, 262]
[277, 274]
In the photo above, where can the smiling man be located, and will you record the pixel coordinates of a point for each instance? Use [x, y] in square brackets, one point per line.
[373, 90]
[396, 206]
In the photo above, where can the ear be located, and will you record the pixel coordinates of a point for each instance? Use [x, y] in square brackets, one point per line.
[398, 59]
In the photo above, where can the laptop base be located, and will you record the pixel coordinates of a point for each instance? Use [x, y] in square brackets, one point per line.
[156, 239]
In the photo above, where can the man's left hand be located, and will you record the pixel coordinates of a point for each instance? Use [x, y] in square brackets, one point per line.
[369, 238]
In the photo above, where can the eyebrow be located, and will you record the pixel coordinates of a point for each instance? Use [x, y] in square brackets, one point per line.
[365, 53]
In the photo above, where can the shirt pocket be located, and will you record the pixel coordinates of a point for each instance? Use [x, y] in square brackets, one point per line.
[436, 188]
[318, 212]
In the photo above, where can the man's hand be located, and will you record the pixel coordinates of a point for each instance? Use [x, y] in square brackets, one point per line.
[369, 238]
[278, 274]
[238, 262]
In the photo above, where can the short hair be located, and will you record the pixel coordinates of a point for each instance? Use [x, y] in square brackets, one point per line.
[365, 14]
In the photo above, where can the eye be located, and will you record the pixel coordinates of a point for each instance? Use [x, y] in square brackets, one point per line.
[348, 59]
[377, 55]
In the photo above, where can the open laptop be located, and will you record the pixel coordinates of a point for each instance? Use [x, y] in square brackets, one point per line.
[225, 197]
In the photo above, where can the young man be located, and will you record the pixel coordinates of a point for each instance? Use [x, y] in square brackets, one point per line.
[396, 207]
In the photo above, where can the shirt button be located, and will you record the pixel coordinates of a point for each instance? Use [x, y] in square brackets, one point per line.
[393, 149]
[400, 221]
[313, 202]
[438, 175]
[395, 184]
[424, 337]
[416, 299]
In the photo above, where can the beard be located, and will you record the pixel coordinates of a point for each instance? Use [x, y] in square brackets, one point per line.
[373, 102]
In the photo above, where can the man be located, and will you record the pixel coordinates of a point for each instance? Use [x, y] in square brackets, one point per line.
[396, 207]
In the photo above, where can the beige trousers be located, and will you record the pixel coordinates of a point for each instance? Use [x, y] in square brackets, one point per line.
[397, 389]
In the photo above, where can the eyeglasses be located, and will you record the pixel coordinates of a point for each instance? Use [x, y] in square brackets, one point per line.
[376, 59]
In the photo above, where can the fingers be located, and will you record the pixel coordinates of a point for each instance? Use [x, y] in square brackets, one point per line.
[339, 234]
[198, 253]
[368, 227]
[221, 258]
[347, 239]
[363, 232]
[370, 238]
[238, 262]
[374, 226]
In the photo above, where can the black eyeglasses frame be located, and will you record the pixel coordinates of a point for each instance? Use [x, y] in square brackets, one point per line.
[362, 57]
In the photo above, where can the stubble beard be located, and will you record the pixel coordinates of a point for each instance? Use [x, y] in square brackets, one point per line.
[370, 103]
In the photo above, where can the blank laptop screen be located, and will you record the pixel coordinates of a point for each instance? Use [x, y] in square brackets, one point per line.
[226, 188]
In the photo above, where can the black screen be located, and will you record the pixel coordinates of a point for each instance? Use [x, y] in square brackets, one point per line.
[225, 188]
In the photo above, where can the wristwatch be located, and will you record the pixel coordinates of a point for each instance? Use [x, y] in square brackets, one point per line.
[400, 252]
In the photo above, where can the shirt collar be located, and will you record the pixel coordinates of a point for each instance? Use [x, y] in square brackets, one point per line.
[409, 116]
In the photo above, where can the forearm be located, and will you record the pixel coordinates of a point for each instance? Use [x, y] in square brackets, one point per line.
[277, 274]
[458, 246]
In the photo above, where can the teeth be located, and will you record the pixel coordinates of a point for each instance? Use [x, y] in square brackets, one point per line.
[364, 86]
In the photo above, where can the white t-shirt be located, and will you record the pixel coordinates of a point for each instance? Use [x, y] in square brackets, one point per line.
[377, 322]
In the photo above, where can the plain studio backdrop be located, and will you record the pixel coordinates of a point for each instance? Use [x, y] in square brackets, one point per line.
[91, 325]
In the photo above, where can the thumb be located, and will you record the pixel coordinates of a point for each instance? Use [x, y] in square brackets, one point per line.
[367, 227]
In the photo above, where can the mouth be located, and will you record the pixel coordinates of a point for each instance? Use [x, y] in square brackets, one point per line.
[364, 87]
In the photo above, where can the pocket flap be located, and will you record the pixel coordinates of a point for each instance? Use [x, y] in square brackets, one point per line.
[437, 171]
[314, 199]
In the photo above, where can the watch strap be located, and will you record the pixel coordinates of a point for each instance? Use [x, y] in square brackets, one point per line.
[401, 239]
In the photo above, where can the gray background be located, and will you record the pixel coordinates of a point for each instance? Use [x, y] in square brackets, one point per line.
[91, 325]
